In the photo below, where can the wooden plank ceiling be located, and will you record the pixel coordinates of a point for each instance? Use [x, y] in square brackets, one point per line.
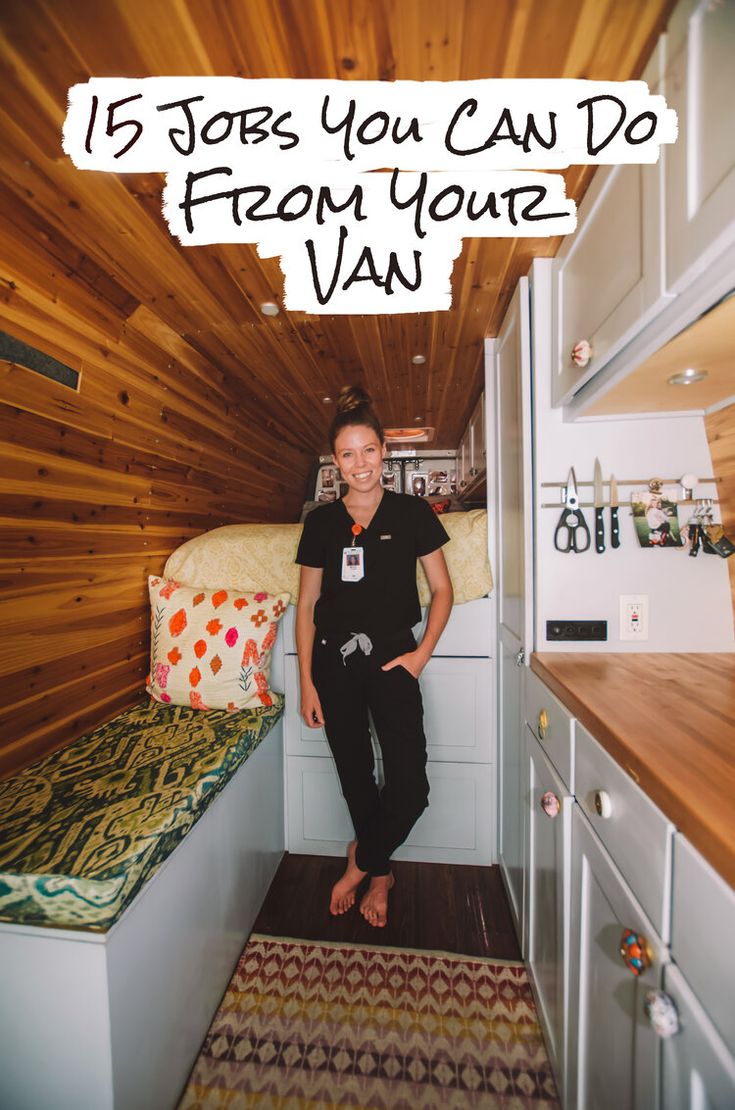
[200, 306]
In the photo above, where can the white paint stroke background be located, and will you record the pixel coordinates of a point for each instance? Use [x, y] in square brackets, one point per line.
[249, 161]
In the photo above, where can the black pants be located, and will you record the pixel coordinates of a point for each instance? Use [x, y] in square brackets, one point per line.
[348, 686]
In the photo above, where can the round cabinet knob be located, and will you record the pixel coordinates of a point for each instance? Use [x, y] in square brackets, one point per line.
[661, 1011]
[636, 952]
[581, 353]
[603, 803]
[550, 804]
[543, 723]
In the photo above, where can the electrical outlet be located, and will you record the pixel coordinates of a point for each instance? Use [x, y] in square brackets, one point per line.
[634, 616]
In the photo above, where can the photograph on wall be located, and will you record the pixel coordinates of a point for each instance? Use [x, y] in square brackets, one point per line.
[327, 495]
[418, 483]
[656, 520]
[439, 482]
[327, 477]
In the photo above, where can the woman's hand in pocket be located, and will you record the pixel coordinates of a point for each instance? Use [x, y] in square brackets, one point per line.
[412, 661]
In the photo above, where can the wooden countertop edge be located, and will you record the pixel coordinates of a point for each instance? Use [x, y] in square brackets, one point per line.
[719, 852]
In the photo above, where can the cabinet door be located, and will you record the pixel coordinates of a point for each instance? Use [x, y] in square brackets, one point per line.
[614, 1055]
[700, 167]
[458, 711]
[511, 787]
[477, 440]
[508, 407]
[454, 828]
[548, 872]
[698, 1070]
[608, 277]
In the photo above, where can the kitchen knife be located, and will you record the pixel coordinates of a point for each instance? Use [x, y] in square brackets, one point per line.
[614, 526]
[599, 507]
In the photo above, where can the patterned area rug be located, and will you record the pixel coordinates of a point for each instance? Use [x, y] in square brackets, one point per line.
[307, 1024]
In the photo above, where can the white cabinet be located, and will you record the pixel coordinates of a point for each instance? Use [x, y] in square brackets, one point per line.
[549, 807]
[471, 453]
[653, 246]
[511, 786]
[458, 691]
[609, 275]
[456, 827]
[698, 1069]
[700, 167]
[458, 711]
[614, 1054]
[699, 1060]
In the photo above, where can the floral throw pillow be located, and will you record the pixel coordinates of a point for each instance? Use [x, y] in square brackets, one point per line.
[211, 649]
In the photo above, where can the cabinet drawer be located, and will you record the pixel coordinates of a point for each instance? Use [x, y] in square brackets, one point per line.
[454, 829]
[702, 932]
[635, 832]
[551, 724]
[458, 712]
[468, 630]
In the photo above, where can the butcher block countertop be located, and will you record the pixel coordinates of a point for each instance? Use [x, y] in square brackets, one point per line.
[669, 721]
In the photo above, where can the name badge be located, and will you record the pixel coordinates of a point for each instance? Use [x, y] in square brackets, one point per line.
[353, 564]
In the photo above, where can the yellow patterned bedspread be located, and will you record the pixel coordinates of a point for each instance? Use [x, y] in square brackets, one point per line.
[83, 829]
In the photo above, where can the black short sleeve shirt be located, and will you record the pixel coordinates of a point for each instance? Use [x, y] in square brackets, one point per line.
[385, 600]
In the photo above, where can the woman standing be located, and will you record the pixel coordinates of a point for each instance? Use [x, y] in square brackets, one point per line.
[357, 604]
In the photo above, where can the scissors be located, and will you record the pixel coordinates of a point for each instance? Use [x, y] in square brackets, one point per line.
[571, 533]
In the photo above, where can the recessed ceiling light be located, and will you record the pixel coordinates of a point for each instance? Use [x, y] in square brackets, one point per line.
[268, 308]
[687, 377]
[417, 360]
[408, 434]
[327, 400]
[417, 419]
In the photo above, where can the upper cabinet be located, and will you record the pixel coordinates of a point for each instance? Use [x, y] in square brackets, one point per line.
[654, 244]
[471, 453]
[608, 276]
[699, 84]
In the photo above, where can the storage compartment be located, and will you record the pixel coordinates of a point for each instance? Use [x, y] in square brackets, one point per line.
[458, 707]
[703, 928]
[552, 726]
[635, 832]
[698, 1069]
[454, 829]
[614, 1054]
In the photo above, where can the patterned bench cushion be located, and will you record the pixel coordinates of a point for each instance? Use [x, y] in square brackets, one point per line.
[83, 829]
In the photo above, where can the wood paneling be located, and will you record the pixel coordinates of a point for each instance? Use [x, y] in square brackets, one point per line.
[194, 409]
[720, 427]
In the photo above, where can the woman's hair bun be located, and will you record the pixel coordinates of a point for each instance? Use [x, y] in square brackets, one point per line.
[352, 397]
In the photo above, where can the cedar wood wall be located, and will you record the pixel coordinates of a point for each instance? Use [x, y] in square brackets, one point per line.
[100, 485]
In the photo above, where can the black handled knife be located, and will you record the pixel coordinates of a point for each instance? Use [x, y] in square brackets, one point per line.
[599, 507]
[614, 526]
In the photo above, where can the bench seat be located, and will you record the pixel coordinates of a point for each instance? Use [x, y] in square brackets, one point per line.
[86, 827]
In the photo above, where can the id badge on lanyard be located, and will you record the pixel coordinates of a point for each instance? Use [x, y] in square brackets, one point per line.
[353, 559]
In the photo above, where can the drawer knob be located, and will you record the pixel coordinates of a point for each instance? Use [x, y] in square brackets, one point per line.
[603, 804]
[543, 723]
[636, 952]
[550, 804]
[581, 353]
[661, 1011]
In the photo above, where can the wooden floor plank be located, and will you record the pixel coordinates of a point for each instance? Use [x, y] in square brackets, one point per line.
[433, 906]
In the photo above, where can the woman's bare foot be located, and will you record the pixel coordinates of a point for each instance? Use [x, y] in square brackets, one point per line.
[374, 906]
[344, 890]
